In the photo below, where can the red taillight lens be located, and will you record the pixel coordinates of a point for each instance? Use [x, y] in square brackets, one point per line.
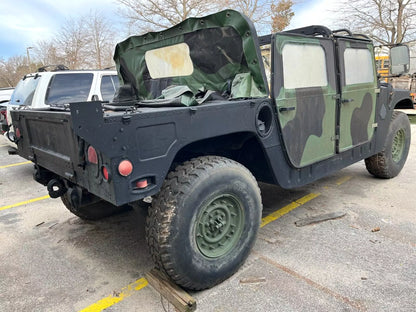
[92, 155]
[106, 175]
[18, 134]
[142, 184]
[125, 167]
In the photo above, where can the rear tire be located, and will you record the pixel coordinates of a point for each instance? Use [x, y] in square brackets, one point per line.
[204, 221]
[95, 210]
[389, 162]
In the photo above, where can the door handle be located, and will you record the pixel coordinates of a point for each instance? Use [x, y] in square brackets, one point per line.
[347, 100]
[286, 109]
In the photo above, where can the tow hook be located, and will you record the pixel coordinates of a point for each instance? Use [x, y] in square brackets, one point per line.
[56, 188]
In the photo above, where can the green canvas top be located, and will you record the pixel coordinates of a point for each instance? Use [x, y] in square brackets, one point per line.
[219, 52]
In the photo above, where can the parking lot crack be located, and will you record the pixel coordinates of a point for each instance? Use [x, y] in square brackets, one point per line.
[354, 304]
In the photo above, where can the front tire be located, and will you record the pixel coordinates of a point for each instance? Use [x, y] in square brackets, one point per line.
[204, 222]
[389, 162]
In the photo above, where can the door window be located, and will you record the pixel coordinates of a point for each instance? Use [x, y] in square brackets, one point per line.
[358, 66]
[304, 66]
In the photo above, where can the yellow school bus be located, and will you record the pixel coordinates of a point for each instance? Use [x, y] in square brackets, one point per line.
[382, 62]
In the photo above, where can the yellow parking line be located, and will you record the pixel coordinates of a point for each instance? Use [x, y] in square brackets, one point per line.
[112, 299]
[16, 164]
[281, 212]
[24, 202]
[343, 180]
[142, 282]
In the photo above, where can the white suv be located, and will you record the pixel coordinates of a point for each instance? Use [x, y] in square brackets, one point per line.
[42, 89]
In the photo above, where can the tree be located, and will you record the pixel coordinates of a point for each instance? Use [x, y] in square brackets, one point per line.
[151, 15]
[265, 13]
[385, 21]
[281, 15]
[12, 70]
[46, 53]
[71, 41]
[258, 11]
[100, 36]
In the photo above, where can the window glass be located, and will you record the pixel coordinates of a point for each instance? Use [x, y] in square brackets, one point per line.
[68, 88]
[108, 87]
[171, 61]
[25, 89]
[358, 66]
[266, 54]
[304, 66]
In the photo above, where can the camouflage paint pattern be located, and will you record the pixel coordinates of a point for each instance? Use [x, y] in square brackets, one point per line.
[308, 127]
[358, 102]
[221, 45]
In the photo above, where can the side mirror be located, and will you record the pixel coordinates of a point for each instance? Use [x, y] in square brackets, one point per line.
[399, 60]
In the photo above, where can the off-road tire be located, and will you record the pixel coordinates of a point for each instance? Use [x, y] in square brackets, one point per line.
[196, 198]
[94, 211]
[389, 162]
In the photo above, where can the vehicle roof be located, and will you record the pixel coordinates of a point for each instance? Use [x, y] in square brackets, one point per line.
[59, 72]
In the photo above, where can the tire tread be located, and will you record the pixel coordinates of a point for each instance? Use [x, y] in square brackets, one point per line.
[164, 206]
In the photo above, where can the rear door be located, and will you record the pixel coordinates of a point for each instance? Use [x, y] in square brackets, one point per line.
[358, 81]
[304, 88]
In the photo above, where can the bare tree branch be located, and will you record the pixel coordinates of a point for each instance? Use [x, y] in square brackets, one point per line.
[386, 21]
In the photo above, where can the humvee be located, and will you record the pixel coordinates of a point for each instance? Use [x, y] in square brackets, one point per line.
[197, 123]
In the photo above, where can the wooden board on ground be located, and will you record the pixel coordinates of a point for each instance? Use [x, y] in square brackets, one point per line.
[179, 298]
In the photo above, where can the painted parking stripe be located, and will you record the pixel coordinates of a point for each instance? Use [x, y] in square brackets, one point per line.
[142, 282]
[24, 202]
[343, 180]
[113, 299]
[282, 211]
[16, 164]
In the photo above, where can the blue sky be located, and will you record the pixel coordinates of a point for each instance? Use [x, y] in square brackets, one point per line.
[24, 22]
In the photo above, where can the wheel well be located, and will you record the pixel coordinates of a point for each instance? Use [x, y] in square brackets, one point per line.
[243, 147]
[405, 103]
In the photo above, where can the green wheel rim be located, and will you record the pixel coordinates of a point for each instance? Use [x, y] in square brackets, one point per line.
[398, 146]
[219, 226]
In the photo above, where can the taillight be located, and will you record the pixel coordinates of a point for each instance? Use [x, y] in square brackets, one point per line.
[18, 134]
[105, 172]
[125, 167]
[92, 155]
[141, 184]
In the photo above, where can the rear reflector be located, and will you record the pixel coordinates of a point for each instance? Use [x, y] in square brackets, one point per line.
[18, 134]
[142, 184]
[125, 167]
[92, 155]
[105, 173]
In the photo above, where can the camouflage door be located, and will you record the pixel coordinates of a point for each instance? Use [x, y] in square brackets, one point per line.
[358, 93]
[305, 92]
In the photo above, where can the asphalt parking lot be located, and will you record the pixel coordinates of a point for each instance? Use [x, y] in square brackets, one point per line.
[50, 260]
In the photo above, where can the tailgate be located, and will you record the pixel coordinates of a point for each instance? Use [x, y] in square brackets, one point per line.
[48, 140]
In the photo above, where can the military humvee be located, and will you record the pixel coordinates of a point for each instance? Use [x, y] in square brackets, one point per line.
[196, 123]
